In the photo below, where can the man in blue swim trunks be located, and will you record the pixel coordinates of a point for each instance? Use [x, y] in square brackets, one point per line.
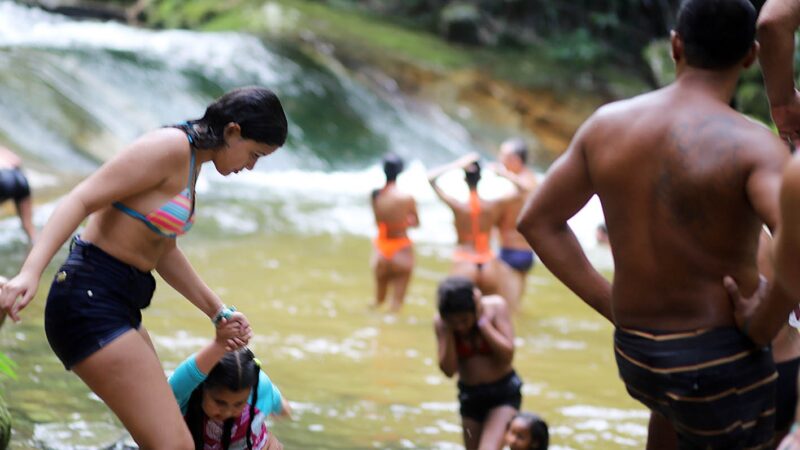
[686, 184]
[516, 254]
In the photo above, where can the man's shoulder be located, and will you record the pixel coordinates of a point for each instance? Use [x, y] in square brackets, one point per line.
[622, 112]
[754, 129]
[761, 141]
[630, 105]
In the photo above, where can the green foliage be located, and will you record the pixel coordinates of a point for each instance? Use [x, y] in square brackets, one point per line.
[604, 20]
[117, 2]
[460, 11]
[188, 14]
[577, 48]
[658, 57]
[751, 97]
[8, 366]
[359, 27]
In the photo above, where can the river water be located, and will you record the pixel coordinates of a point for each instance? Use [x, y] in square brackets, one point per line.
[287, 243]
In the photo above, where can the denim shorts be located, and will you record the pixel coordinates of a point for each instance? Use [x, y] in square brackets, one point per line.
[13, 185]
[94, 298]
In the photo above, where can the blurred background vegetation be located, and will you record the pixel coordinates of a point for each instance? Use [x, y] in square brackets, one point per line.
[603, 48]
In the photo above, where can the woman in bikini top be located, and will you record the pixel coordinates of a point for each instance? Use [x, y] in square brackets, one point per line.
[137, 203]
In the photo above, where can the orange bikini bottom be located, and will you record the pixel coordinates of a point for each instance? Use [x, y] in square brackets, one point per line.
[473, 257]
[388, 247]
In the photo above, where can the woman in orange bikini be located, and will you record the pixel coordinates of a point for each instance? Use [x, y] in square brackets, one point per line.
[473, 257]
[138, 203]
[393, 259]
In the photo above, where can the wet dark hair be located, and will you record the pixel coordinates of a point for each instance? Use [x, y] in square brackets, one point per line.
[540, 435]
[236, 370]
[716, 33]
[456, 294]
[472, 174]
[519, 148]
[392, 166]
[257, 110]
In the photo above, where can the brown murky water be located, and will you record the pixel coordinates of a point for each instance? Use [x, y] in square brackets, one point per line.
[357, 378]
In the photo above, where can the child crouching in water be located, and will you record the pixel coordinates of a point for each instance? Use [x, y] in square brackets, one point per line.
[475, 338]
[527, 431]
[225, 397]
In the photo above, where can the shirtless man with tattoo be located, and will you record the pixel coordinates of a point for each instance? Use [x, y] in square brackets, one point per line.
[686, 183]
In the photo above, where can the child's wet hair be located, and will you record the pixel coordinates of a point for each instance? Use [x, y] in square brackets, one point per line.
[456, 294]
[236, 371]
[540, 435]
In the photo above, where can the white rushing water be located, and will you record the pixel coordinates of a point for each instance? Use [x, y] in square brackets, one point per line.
[73, 93]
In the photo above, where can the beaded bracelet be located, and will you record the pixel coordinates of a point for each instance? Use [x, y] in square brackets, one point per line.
[224, 313]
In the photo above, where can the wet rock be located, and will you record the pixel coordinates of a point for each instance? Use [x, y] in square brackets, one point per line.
[546, 119]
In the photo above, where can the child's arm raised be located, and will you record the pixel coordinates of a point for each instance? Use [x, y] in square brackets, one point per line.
[209, 356]
[193, 371]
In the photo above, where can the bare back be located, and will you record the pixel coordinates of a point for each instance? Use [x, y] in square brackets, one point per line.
[676, 175]
[490, 214]
[395, 209]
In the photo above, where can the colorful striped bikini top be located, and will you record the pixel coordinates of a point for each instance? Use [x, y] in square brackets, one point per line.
[176, 217]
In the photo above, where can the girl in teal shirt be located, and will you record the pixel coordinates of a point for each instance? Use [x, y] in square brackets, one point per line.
[225, 397]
